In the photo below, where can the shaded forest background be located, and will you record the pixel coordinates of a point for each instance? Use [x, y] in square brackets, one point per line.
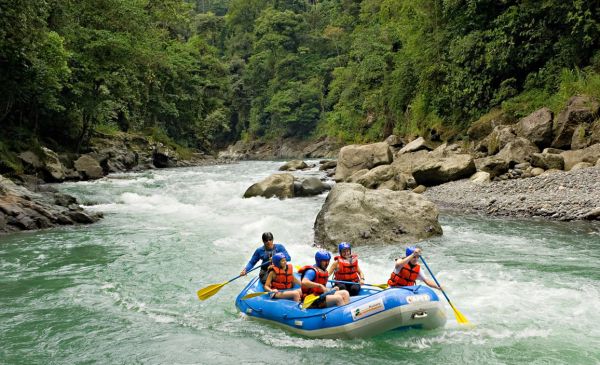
[204, 73]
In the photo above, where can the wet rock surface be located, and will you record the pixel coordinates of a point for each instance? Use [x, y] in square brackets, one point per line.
[24, 209]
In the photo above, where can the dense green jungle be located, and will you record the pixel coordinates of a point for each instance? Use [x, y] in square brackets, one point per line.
[204, 73]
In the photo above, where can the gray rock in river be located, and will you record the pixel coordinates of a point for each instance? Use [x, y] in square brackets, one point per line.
[22, 209]
[277, 185]
[359, 215]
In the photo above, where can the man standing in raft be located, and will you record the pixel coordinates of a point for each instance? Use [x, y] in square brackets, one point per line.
[345, 268]
[407, 270]
[265, 253]
[314, 279]
[281, 277]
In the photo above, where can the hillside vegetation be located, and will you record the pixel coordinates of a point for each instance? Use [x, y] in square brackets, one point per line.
[204, 73]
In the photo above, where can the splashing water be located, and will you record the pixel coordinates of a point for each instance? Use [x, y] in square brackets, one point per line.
[122, 291]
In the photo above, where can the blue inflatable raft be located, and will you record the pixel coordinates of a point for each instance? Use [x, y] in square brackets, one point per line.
[372, 312]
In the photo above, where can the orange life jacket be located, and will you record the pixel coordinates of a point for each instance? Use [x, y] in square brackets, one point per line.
[284, 278]
[320, 278]
[347, 270]
[406, 277]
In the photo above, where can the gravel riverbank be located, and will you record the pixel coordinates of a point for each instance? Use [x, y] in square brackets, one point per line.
[563, 196]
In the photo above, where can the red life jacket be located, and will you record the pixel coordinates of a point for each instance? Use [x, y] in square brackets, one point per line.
[406, 277]
[284, 279]
[320, 278]
[347, 270]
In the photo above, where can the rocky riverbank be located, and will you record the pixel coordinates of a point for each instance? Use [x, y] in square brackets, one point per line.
[561, 195]
[28, 203]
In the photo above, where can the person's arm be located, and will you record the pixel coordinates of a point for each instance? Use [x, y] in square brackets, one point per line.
[308, 282]
[361, 275]
[332, 267]
[429, 282]
[253, 260]
[268, 282]
[404, 261]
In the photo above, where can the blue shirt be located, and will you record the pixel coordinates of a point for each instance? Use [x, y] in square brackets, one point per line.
[310, 274]
[262, 254]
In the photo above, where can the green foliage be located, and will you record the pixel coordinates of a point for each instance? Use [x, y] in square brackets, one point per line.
[110, 129]
[206, 72]
[9, 162]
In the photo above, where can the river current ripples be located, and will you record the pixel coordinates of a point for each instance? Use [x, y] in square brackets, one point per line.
[122, 291]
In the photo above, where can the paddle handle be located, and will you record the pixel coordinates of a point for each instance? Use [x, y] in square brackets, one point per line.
[434, 279]
[248, 272]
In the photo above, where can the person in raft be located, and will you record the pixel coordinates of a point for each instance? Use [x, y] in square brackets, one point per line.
[407, 270]
[314, 278]
[345, 268]
[281, 277]
[265, 253]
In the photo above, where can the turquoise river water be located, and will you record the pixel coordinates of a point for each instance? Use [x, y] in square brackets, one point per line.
[122, 291]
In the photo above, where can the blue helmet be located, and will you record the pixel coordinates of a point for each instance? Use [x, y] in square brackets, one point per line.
[343, 246]
[276, 260]
[322, 255]
[410, 250]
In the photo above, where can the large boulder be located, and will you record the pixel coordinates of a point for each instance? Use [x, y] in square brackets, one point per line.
[354, 213]
[327, 165]
[357, 157]
[481, 178]
[53, 168]
[589, 154]
[31, 161]
[536, 127]
[594, 132]
[276, 185]
[580, 137]
[438, 169]
[495, 141]
[311, 186]
[493, 165]
[395, 141]
[446, 149]
[406, 161]
[416, 145]
[518, 151]
[163, 156]
[88, 167]
[580, 109]
[23, 209]
[382, 177]
[293, 165]
[547, 161]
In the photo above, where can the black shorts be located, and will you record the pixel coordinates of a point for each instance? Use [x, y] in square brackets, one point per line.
[353, 289]
[319, 303]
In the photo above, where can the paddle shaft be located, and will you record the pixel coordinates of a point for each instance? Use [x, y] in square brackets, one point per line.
[434, 279]
[239, 276]
[351, 283]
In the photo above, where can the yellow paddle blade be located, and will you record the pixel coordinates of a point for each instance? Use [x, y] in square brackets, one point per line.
[252, 295]
[460, 318]
[209, 291]
[309, 300]
[382, 286]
